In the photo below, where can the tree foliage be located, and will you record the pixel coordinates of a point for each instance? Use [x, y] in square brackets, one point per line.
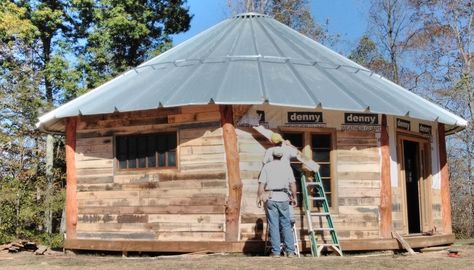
[368, 55]
[428, 47]
[294, 13]
[446, 66]
[119, 34]
[51, 51]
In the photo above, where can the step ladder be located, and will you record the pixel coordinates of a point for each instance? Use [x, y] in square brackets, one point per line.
[268, 244]
[318, 195]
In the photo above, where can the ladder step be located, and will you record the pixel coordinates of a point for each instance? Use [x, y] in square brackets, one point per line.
[323, 229]
[313, 184]
[317, 198]
[319, 214]
[328, 245]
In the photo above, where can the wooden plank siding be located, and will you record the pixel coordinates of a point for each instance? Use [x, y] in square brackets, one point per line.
[358, 186]
[182, 204]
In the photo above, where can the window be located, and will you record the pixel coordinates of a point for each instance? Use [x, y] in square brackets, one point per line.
[146, 151]
[321, 145]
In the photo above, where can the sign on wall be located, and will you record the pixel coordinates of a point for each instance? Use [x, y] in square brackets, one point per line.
[361, 119]
[361, 122]
[305, 117]
[424, 129]
[403, 124]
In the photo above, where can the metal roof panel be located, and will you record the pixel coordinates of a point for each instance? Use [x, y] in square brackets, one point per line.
[251, 59]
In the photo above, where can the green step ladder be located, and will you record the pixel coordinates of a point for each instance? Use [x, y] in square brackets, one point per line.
[317, 188]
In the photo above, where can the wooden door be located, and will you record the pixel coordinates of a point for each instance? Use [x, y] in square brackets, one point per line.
[424, 187]
[414, 155]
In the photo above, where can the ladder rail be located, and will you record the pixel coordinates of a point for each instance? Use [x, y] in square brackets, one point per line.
[334, 237]
[318, 185]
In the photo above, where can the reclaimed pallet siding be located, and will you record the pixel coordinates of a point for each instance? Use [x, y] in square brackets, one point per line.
[252, 147]
[399, 224]
[184, 204]
[201, 150]
[436, 209]
[197, 199]
[152, 235]
[171, 209]
[152, 227]
[152, 218]
[358, 185]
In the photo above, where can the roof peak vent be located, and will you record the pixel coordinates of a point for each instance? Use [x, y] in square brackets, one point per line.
[250, 15]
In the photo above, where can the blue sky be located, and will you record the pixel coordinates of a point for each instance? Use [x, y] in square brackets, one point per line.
[345, 17]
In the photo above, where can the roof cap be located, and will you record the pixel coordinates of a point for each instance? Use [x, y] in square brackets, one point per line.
[249, 15]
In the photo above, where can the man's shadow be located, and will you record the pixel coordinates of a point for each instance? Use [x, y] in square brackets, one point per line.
[256, 244]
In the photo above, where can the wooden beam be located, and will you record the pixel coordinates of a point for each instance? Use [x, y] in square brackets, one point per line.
[71, 178]
[445, 195]
[385, 207]
[232, 210]
[250, 246]
[404, 243]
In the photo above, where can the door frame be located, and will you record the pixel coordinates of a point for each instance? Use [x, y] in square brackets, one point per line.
[424, 181]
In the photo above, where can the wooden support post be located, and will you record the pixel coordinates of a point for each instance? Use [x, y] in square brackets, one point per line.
[232, 210]
[385, 225]
[445, 195]
[71, 179]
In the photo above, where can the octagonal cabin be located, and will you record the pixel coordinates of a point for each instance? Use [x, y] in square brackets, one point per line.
[164, 158]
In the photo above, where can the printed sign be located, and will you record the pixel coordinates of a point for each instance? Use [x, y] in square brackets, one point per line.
[403, 124]
[424, 129]
[361, 119]
[305, 117]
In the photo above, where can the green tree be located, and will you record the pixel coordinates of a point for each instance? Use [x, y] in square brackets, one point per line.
[367, 54]
[445, 59]
[21, 166]
[51, 51]
[121, 34]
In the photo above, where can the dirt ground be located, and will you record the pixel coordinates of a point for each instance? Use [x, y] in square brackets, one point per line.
[377, 260]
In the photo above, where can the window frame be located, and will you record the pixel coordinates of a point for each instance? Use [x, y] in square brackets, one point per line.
[307, 133]
[148, 169]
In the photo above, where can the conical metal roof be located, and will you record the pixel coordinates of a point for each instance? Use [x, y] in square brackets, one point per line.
[251, 59]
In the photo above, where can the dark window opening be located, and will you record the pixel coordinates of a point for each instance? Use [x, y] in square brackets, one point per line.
[146, 151]
[321, 145]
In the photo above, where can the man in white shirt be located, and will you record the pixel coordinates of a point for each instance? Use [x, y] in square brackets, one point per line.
[277, 178]
[289, 151]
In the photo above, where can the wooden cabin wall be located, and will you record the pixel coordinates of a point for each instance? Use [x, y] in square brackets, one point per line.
[398, 200]
[436, 209]
[358, 185]
[186, 203]
[252, 148]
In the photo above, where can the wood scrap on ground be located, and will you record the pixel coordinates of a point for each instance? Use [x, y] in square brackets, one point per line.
[404, 243]
[24, 245]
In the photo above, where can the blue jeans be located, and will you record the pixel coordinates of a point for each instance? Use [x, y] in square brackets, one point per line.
[278, 217]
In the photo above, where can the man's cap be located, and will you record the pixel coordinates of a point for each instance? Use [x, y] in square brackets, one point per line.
[276, 138]
[278, 152]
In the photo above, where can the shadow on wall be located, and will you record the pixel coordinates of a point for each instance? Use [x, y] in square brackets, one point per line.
[256, 244]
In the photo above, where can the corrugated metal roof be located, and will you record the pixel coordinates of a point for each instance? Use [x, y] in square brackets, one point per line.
[251, 59]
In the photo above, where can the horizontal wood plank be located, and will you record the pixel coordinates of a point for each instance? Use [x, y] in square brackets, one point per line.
[243, 246]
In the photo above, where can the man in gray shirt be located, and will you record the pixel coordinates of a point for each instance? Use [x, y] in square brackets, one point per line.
[277, 178]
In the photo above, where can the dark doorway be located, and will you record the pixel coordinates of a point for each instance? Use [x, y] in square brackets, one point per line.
[412, 176]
